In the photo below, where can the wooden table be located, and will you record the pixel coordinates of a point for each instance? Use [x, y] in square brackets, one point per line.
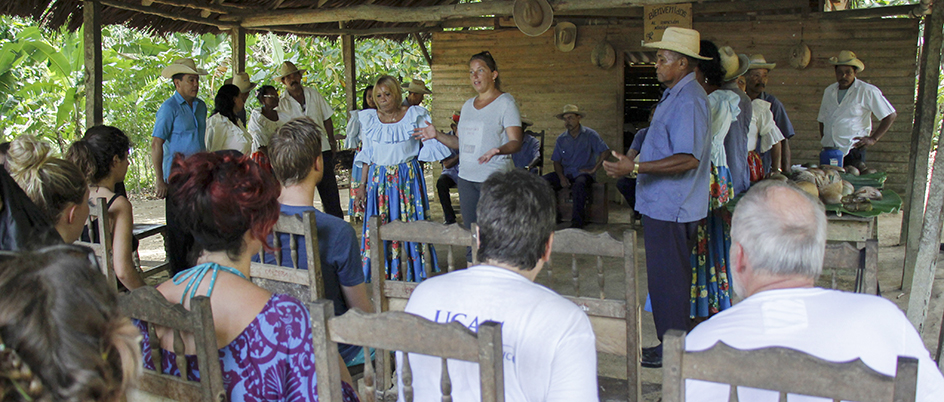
[850, 228]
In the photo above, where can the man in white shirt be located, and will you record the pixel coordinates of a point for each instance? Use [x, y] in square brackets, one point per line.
[298, 101]
[548, 344]
[845, 121]
[778, 238]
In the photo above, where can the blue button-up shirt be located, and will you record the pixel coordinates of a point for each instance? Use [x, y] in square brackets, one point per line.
[735, 144]
[580, 153]
[782, 121]
[530, 150]
[182, 127]
[679, 126]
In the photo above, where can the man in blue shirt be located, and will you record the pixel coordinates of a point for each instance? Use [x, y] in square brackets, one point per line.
[672, 181]
[529, 156]
[578, 154]
[179, 128]
[297, 163]
[735, 143]
[756, 79]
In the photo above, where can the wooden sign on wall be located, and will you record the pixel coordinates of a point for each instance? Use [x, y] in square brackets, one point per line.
[658, 18]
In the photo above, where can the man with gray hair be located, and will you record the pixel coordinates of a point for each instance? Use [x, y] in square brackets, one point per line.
[778, 238]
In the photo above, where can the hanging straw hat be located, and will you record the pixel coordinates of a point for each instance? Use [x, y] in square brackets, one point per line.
[533, 17]
[241, 80]
[565, 36]
[570, 109]
[682, 40]
[416, 86]
[758, 61]
[288, 68]
[603, 55]
[182, 66]
[847, 58]
[800, 56]
[735, 65]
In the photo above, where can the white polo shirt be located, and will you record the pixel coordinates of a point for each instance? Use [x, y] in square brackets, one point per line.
[842, 122]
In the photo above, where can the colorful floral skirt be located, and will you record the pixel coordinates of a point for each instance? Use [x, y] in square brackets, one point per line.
[353, 210]
[711, 279]
[398, 193]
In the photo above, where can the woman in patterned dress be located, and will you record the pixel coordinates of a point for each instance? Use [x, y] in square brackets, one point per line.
[392, 183]
[230, 206]
[710, 276]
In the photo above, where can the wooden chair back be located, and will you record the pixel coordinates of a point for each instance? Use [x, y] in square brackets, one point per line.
[149, 305]
[863, 261]
[303, 280]
[782, 370]
[615, 321]
[399, 331]
[101, 229]
[426, 232]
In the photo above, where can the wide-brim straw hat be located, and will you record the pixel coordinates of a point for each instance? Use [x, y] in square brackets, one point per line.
[758, 61]
[735, 65]
[565, 36]
[416, 86]
[603, 55]
[681, 40]
[847, 58]
[800, 56]
[182, 66]
[570, 109]
[288, 68]
[525, 122]
[241, 80]
[533, 17]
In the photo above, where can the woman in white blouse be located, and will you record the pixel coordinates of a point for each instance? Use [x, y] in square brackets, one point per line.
[265, 120]
[224, 130]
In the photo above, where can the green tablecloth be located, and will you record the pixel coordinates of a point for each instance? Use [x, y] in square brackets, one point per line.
[890, 203]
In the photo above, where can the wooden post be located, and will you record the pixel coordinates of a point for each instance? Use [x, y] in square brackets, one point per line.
[350, 71]
[92, 28]
[239, 50]
[419, 41]
[923, 131]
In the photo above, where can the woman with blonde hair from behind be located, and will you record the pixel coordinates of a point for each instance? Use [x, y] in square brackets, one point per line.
[102, 154]
[62, 337]
[55, 185]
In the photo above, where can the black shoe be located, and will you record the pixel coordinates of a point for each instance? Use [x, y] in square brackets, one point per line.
[651, 357]
[449, 222]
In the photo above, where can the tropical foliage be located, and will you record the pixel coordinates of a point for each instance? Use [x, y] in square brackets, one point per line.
[42, 81]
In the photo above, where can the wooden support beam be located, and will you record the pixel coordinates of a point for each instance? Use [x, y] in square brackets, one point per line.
[238, 37]
[353, 32]
[924, 117]
[212, 7]
[92, 31]
[173, 16]
[350, 71]
[372, 12]
[928, 246]
[419, 41]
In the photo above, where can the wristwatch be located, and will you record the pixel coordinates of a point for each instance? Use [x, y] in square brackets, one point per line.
[635, 169]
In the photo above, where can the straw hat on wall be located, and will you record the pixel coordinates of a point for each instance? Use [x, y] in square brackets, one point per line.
[533, 17]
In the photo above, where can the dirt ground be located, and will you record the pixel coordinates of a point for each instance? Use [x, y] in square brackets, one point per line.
[891, 260]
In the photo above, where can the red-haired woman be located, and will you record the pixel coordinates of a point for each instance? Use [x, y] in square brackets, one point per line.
[230, 206]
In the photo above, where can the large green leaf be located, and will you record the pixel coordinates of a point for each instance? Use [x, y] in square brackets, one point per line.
[890, 203]
[278, 56]
[65, 108]
[45, 52]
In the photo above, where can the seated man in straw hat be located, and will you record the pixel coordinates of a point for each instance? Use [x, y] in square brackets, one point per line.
[529, 155]
[298, 101]
[416, 90]
[578, 154]
[180, 127]
[845, 120]
[756, 79]
[672, 181]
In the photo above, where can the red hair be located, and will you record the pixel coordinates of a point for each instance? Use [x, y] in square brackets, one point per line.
[221, 195]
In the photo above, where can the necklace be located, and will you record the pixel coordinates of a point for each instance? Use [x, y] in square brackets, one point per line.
[194, 276]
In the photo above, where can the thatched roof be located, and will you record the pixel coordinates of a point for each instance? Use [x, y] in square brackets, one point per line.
[215, 16]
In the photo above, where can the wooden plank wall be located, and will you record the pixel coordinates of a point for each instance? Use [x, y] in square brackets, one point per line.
[543, 79]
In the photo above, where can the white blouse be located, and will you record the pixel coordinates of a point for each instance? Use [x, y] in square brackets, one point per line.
[261, 128]
[221, 134]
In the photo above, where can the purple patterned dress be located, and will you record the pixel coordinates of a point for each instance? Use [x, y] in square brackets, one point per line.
[271, 360]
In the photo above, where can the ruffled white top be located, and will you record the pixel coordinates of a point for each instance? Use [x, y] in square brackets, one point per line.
[763, 127]
[221, 134]
[391, 144]
[724, 109]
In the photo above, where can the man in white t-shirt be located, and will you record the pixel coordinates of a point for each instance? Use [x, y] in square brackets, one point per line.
[298, 101]
[548, 344]
[845, 115]
[778, 238]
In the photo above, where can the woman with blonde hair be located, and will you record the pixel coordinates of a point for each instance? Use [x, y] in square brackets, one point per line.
[55, 185]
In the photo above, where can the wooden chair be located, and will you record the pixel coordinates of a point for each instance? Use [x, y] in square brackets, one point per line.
[615, 322]
[304, 284]
[864, 261]
[101, 229]
[385, 291]
[782, 370]
[149, 305]
[142, 231]
[398, 331]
